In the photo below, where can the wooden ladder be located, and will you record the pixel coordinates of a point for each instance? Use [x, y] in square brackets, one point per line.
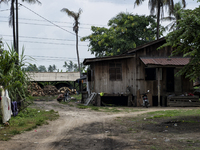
[90, 98]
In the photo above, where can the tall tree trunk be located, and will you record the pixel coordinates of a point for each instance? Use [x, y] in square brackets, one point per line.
[13, 21]
[17, 35]
[78, 53]
[158, 18]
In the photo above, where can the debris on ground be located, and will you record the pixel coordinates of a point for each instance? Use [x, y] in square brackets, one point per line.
[63, 90]
[50, 90]
[35, 90]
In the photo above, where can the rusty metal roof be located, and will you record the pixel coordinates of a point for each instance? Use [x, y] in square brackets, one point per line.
[165, 61]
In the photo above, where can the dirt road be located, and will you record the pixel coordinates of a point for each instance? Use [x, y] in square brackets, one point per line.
[74, 130]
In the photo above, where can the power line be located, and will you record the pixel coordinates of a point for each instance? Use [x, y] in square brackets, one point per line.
[5, 10]
[40, 38]
[46, 19]
[45, 24]
[53, 57]
[55, 21]
[45, 42]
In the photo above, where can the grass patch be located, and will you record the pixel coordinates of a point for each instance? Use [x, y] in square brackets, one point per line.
[43, 98]
[95, 108]
[118, 109]
[81, 106]
[26, 120]
[78, 97]
[14, 132]
[108, 109]
[173, 114]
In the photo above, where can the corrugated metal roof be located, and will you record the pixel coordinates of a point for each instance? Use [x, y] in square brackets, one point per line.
[165, 61]
[90, 60]
[145, 45]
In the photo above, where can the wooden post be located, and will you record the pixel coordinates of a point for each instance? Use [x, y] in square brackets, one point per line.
[138, 99]
[79, 82]
[129, 100]
[159, 86]
[98, 100]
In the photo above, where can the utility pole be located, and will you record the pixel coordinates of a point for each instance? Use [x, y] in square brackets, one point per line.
[17, 33]
[13, 20]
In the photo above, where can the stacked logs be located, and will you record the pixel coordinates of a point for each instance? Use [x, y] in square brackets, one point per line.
[35, 90]
[50, 90]
[66, 89]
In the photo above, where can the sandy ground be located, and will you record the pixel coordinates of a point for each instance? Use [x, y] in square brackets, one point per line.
[82, 129]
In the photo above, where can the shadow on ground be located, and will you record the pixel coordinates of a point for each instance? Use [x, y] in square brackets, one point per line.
[125, 134]
[94, 136]
[180, 125]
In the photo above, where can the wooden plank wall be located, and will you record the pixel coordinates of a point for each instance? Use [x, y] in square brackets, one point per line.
[103, 83]
[133, 75]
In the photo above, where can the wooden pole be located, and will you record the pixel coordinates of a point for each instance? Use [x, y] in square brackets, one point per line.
[159, 86]
[13, 21]
[17, 33]
[78, 53]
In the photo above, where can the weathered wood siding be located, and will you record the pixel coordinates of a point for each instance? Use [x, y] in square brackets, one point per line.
[102, 78]
[181, 84]
[133, 75]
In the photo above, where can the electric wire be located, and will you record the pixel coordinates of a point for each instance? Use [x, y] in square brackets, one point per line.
[47, 19]
[5, 10]
[55, 21]
[44, 42]
[40, 38]
[50, 58]
[53, 57]
[45, 25]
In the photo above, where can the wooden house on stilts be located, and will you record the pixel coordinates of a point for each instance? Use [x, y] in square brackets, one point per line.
[123, 78]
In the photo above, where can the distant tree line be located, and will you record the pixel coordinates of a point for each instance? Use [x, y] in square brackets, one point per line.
[69, 66]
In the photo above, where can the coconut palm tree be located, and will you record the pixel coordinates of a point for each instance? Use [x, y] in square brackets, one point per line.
[12, 18]
[176, 16]
[157, 6]
[76, 17]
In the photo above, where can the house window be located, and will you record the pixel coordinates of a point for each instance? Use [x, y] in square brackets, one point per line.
[150, 73]
[115, 71]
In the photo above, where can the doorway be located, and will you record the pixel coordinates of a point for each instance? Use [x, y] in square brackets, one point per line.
[170, 80]
[114, 100]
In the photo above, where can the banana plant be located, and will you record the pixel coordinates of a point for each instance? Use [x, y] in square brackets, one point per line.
[12, 75]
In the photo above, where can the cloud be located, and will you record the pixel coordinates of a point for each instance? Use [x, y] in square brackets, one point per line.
[46, 52]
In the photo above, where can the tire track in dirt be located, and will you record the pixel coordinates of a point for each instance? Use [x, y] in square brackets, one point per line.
[49, 136]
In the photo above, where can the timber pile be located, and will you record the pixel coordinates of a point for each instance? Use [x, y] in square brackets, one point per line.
[50, 90]
[35, 90]
[63, 90]
[183, 101]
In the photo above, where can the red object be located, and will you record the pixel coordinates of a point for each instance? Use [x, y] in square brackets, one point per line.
[190, 94]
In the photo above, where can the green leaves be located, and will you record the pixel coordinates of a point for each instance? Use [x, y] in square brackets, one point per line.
[12, 76]
[125, 32]
[186, 41]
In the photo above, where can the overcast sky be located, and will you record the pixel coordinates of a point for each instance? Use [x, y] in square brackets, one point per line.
[49, 44]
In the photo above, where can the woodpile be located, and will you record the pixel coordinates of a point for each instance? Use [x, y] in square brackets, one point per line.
[50, 90]
[63, 90]
[35, 90]
[183, 101]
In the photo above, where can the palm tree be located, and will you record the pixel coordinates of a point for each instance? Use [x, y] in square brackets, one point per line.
[12, 18]
[52, 68]
[76, 17]
[158, 7]
[69, 66]
[176, 16]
